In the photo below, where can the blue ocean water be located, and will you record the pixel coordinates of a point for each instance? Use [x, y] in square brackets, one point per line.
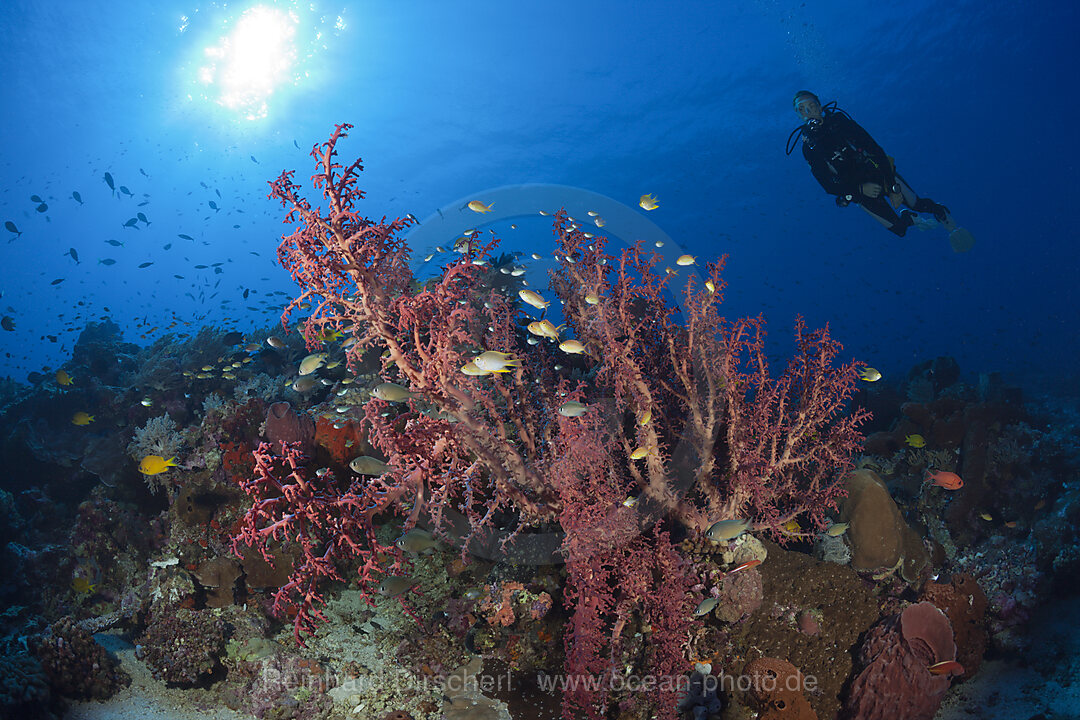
[688, 101]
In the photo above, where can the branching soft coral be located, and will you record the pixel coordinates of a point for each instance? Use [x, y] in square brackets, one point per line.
[492, 456]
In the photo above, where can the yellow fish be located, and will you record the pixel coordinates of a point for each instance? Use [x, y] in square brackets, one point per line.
[915, 441]
[710, 286]
[573, 347]
[533, 298]
[470, 368]
[495, 362]
[328, 335]
[639, 453]
[312, 363]
[645, 417]
[83, 586]
[62, 378]
[685, 260]
[155, 464]
[81, 418]
[836, 529]
[478, 206]
[599, 221]
[791, 527]
[869, 374]
[648, 202]
[544, 328]
[592, 298]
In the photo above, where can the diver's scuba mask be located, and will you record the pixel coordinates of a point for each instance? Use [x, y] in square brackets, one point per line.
[802, 99]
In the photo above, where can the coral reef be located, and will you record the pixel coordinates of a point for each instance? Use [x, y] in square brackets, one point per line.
[777, 690]
[963, 601]
[183, 647]
[77, 667]
[395, 513]
[24, 687]
[796, 585]
[895, 656]
[160, 436]
[284, 425]
[879, 536]
[729, 439]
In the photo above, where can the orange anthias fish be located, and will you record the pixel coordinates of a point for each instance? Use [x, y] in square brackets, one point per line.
[945, 479]
[948, 667]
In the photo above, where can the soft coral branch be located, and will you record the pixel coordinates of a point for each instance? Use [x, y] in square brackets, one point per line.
[309, 518]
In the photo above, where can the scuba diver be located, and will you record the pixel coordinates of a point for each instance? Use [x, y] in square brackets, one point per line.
[850, 165]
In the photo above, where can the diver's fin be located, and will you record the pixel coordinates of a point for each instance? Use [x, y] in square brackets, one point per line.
[961, 239]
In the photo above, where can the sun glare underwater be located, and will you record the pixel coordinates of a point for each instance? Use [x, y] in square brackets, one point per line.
[259, 56]
[603, 361]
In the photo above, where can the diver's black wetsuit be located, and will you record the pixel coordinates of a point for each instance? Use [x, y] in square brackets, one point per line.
[843, 156]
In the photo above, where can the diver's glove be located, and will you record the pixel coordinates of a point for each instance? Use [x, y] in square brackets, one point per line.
[871, 189]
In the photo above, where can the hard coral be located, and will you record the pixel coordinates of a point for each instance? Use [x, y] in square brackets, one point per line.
[24, 687]
[342, 443]
[181, 646]
[77, 667]
[740, 594]
[878, 534]
[895, 681]
[218, 577]
[776, 690]
[236, 459]
[965, 604]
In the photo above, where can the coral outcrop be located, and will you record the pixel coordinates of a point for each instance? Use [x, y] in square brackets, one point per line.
[879, 536]
[895, 681]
